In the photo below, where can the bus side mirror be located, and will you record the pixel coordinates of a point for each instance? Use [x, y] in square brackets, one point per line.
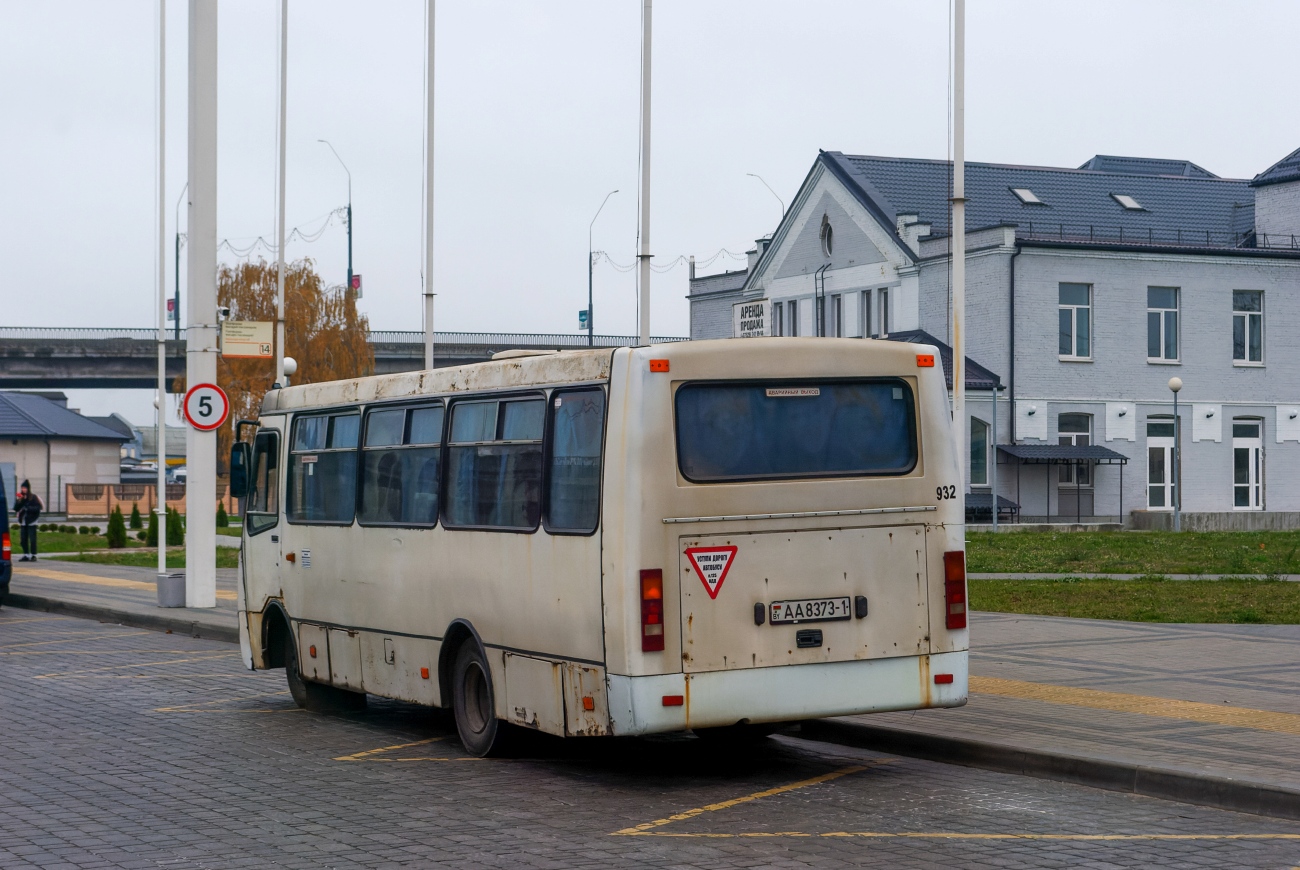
[241, 459]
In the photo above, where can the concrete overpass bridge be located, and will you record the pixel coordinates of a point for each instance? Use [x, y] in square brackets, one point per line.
[97, 358]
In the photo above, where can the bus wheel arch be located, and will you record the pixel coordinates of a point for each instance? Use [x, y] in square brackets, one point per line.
[276, 635]
[460, 632]
[467, 685]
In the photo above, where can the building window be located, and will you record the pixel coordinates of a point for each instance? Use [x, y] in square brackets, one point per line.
[979, 452]
[1026, 196]
[827, 237]
[1075, 430]
[1128, 202]
[1075, 318]
[884, 310]
[778, 324]
[1247, 326]
[1161, 485]
[1247, 465]
[792, 317]
[1162, 324]
[864, 310]
[837, 316]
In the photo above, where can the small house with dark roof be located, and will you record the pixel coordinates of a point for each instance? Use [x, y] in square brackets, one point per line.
[1087, 289]
[51, 445]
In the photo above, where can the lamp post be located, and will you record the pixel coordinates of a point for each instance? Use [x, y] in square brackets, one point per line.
[590, 319]
[349, 174]
[176, 314]
[1176, 384]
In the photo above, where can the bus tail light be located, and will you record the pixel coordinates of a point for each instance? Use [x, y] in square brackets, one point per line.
[6, 547]
[954, 588]
[652, 610]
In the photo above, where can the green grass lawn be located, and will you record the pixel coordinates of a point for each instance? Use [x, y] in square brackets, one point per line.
[1134, 552]
[62, 542]
[227, 557]
[1147, 600]
[231, 531]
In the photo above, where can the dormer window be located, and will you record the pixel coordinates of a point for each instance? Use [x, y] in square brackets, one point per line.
[1026, 196]
[1128, 202]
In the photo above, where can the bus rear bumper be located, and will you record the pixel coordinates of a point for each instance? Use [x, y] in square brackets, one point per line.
[676, 702]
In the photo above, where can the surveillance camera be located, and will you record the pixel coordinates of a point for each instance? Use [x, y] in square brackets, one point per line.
[223, 312]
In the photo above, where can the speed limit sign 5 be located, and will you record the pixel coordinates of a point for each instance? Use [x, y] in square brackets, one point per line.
[206, 407]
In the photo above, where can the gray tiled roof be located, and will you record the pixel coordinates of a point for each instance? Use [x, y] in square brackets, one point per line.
[1075, 197]
[1286, 169]
[977, 377]
[1147, 166]
[24, 415]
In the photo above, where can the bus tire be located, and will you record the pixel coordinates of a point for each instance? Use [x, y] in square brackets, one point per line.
[474, 702]
[316, 697]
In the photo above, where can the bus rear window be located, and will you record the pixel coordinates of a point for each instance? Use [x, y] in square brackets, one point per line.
[772, 431]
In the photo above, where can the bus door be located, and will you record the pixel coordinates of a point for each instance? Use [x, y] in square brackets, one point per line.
[262, 527]
[761, 599]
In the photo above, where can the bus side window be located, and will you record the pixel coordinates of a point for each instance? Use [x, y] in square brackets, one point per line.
[401, 461]
[323, 469]
[264, 502]
[494, 464]
[573, 483]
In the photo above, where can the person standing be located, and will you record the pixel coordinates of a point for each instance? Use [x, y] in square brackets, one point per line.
[28, 507]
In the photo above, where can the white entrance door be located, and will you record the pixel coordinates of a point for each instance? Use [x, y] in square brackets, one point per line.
[1247, 466]
[1161, 484]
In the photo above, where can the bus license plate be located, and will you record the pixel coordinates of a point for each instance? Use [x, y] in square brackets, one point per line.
[810, 610]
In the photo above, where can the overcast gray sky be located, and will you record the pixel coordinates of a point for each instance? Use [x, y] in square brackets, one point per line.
[537, 121]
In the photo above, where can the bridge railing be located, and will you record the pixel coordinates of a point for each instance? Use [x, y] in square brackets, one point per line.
[379, 336]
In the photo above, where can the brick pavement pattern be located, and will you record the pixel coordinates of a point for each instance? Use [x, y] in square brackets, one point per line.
[135, 749]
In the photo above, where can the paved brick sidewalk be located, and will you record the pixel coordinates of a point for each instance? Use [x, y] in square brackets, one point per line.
[127, 748]
[1200, 700]
[1213, 700]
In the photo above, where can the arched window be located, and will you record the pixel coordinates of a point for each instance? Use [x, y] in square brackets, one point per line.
[827, 236]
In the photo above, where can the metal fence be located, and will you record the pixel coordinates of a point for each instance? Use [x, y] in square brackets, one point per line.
[485, 339]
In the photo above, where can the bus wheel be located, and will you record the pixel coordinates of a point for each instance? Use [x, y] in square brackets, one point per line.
[315, 696]
[473, 702]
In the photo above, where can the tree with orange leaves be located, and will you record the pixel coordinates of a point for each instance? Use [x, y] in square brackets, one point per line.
[322, 331]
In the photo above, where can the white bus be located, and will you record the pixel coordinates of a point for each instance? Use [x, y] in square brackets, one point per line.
[623, 541]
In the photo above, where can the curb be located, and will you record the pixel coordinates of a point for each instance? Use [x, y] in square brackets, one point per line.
[1211, 791]
[153, 622]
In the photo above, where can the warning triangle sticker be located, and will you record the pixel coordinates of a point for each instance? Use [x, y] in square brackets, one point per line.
[711, 564]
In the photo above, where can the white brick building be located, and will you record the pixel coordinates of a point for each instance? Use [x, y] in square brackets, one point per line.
[1087, 289]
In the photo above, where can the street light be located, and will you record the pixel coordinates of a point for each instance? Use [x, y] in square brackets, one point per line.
[590, 319]
[345, 169]
[771, 191]
[1176, 384]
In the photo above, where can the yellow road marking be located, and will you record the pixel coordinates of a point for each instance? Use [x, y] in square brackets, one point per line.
[1167, 708]
[722, 805]
[78, 636]
[951, 835]
[136, 665]
[358, 756]
[33, 619]
[98, 580]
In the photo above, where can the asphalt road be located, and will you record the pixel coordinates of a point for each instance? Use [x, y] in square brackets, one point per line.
[129, 748]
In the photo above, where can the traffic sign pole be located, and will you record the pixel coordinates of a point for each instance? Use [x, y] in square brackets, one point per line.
[201, 329]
